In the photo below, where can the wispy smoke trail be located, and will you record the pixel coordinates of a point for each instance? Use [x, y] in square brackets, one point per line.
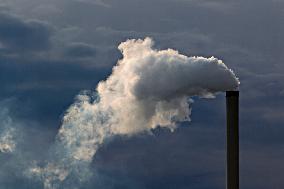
[7, 143]
[147, 88]
[7, 133]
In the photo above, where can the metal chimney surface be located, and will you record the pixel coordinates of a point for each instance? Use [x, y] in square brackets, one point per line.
[232, 104]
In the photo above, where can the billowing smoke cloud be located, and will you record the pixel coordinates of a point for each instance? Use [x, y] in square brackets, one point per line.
[147, 88]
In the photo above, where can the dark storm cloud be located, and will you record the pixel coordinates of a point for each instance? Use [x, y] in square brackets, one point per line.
[19, 35]
[45, 88]
[80, 50]
[41, 70]
[170, 159]
[247, 35]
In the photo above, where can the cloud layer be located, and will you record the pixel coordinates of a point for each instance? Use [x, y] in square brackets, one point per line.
[16, 34]
[44, 77]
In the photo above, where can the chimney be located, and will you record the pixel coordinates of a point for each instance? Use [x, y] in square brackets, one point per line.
[232, 139]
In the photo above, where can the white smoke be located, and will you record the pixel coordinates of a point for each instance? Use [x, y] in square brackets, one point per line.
[7, 142]
[7, 132]
[147, 88]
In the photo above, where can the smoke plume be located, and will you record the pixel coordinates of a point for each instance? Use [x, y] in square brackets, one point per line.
[147, 88]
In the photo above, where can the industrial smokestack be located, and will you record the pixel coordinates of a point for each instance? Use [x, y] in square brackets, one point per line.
[232, 139]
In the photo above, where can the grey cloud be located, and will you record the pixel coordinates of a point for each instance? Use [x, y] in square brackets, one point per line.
[96, 2]
[45, 87]
[23, 35]
[247, 35]
[168, 159]
[80, 50]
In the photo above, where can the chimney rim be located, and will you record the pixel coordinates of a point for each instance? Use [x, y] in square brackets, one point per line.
[232, 93]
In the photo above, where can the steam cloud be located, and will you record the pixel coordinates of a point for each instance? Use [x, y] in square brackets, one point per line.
[147, 88]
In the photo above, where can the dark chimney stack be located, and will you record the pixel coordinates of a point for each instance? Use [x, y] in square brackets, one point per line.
[232, 139]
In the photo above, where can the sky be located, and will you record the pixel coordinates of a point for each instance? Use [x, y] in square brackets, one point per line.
[51, 50]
